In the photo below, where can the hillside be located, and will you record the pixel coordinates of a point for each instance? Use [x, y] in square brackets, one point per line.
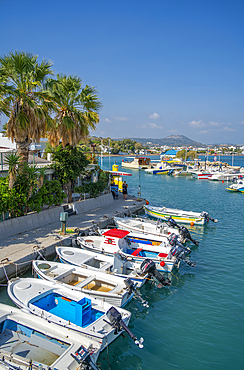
[173, 140]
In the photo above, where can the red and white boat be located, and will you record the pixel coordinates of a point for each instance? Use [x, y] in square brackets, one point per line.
[201, 175]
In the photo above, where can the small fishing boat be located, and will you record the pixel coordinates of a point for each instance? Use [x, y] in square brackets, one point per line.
[27, 343]
[189, 217]
[201, 175]
[113, 265]
[110, 289]
[154, 228]
[224, 176]
[237, 187]
[163, 169]
[116, 240]
[70, 309]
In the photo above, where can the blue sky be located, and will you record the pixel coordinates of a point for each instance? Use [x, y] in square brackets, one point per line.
[161, 67]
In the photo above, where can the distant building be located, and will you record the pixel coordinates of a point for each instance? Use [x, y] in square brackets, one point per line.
[169, 153]
[6, 144]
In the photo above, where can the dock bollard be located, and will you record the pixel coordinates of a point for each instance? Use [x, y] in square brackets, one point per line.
[63, 218]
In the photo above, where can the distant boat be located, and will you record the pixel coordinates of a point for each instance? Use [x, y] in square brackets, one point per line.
[237, 187]
[28, 343]
[136, 162]
[189, 217]
[164, 168]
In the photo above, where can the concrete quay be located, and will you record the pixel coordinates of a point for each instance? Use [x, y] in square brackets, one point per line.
[24, 238]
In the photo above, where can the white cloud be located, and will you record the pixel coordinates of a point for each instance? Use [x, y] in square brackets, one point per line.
[153, 126]
[199, 123]
[228, 129]
[142, 126]
[121, 119]
[154, 116]
[107, 120]
[213, 123]
[203, 132]
[242, 122]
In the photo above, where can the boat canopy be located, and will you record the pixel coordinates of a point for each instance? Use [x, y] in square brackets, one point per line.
[116, 233]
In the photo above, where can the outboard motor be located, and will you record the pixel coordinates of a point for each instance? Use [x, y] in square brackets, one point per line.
[185, 234]
[149, 267]
[207, 217]
[115, 320]
[82, 356]
[132, 289]
[171, 222]
[178, 251]
[173, 240]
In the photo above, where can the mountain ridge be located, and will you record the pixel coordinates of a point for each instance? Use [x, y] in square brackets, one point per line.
[172, 140]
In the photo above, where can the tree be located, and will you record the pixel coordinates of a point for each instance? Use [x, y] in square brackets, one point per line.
[22, 98]
[69, 163]
[76, 110]
[12, 160]
[181, 154]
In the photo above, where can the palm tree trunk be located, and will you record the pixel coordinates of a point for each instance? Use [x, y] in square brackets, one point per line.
[23, 149]
[11, 181]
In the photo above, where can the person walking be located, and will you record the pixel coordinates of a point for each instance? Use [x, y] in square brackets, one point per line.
[124, 190]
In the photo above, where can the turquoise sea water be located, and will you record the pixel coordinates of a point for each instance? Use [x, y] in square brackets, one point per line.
[198, 322]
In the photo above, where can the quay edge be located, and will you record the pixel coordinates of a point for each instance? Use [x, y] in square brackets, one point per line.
[25, 238]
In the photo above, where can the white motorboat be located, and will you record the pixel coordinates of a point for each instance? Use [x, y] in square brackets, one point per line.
[136, 162]
[201, 174]
[237, 187]
[162, 168]
[70, 309]
[224, 176]
[115, 240]
[156, 229]
[27, 343]
[193, 218]
[114, 265]
[109, 288]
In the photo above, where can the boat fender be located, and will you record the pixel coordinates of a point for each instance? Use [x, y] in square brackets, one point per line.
[162, 263]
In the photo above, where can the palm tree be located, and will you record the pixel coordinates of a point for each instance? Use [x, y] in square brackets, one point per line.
[12, 160]
[22, 98]
[76, 110]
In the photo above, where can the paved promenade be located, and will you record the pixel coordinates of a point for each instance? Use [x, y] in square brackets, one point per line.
[17, 251]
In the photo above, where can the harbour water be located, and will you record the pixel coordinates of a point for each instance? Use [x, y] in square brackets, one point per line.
[198, 322]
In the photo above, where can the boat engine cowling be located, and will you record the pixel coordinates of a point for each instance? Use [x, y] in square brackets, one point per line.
[131, 287]
[179, 253]
[207, 217]
[185, 234]
[149, 267]
[171, 222]
[173, 240]
[115, 320]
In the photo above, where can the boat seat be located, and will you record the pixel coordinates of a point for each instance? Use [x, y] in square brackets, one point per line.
[164, 255]
[136, 252]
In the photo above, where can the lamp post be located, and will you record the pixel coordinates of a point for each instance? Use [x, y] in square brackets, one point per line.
[109, 153]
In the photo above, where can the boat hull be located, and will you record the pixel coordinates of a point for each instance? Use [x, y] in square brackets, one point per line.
[179, 218]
